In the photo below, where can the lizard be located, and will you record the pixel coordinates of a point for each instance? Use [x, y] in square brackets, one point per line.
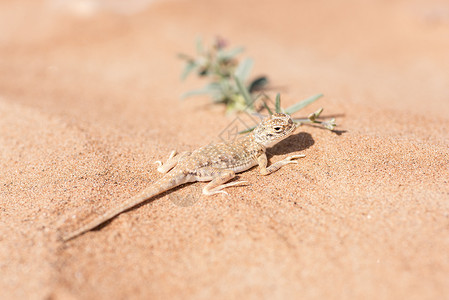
[217, 163]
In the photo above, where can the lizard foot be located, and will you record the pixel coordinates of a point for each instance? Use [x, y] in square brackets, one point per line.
[219, 189]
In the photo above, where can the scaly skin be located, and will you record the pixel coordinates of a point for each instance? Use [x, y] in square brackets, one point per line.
[216, 163]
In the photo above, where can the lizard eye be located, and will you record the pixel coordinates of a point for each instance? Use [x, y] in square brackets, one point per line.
[277, 128]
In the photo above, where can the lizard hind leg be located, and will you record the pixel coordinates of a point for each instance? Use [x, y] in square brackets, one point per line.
[218, 179]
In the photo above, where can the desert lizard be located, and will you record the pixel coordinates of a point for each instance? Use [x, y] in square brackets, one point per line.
[216, 163]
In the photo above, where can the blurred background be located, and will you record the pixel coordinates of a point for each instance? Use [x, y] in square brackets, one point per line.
[391, 53]
[90, 97]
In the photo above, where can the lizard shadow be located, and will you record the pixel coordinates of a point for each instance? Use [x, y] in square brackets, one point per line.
[296, 142]
[144, 203]
[191, 198]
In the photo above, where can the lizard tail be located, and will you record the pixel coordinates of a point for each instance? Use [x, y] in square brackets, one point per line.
[164, 184]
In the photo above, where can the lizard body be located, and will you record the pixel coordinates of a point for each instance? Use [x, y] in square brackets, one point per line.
[216, 163]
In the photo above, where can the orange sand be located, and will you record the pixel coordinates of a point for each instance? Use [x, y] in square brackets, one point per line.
[90, 98]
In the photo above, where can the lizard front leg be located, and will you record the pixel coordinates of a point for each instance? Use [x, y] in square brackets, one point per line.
[218, 178]
[263, 161]
[171, 161]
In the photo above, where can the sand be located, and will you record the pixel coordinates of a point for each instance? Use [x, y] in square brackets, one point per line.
[89, 98]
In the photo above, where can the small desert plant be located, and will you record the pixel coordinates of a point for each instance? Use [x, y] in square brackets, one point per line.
[227, 83]
[226, 74]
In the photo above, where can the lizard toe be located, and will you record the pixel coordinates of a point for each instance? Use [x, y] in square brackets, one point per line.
[209, 193]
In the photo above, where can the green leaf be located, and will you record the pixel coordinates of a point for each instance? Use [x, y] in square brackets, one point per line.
[184, 56]
[247, 130]
[267, 108]
[190, 66]
[313, 116]
[199, 45]
[300, 105]
[278, 103]
[211, 88]
[227, 55]
[300, 120]
[244, 92]
[329, 124]
[244, 68]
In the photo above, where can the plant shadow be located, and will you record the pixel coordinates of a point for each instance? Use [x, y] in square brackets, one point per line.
[337, 132]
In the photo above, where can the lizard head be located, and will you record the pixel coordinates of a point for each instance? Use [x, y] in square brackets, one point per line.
[274, 129]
